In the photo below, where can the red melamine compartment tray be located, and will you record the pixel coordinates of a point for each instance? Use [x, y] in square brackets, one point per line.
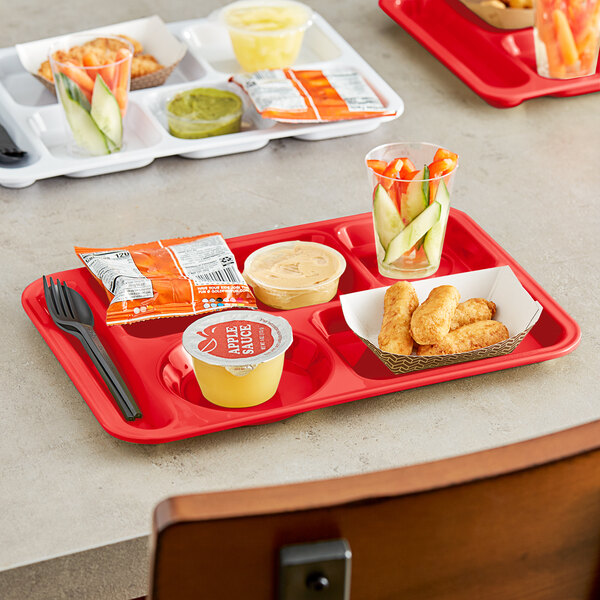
[497, 64]
[326, 364]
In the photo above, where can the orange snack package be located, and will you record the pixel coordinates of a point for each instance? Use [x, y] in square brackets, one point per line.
[168, 278]
[311, 96]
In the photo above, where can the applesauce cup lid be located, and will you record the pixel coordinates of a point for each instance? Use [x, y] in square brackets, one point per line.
[237, 338]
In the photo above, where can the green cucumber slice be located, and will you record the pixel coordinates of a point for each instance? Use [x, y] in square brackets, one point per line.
[416, 198]
[434, 239]
[388, 223]
[106, 112]
[69, 88]
[412, 233]
[76, 106]
[84, 128]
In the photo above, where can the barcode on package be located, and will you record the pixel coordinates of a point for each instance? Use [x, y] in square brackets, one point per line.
[353, 90]
[208, 260]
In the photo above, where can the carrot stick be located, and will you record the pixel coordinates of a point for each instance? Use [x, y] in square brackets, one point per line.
[122, 77]
[90, 61]
[566, 42]
[77, 75]
[108, 74]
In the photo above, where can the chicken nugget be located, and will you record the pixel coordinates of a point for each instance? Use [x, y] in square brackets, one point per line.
[399, 303]
[468, 337]
[474, 309]
[431, 320]
[144, 64]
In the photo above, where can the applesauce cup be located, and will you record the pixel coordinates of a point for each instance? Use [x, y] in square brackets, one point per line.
[410, 186]
[238, 355]
[266, 34]
[566, 38]
[92, 90]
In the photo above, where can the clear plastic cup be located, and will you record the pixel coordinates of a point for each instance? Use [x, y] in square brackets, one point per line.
[266, 34]
[92, 75]
[566, 38]
[410, 207]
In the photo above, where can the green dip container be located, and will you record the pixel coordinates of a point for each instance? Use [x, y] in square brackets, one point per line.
[204, 112]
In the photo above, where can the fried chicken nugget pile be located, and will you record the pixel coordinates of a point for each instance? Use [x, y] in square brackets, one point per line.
[104, 51]
[440, 325]
[399, 303]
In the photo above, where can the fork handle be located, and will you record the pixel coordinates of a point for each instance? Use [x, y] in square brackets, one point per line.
[109, 373]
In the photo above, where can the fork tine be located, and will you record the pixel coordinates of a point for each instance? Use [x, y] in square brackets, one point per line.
[55, 295]
[62, 300]
[67, 300]
[48, 296]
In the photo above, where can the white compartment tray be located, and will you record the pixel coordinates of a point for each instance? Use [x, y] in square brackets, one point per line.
[32, 116]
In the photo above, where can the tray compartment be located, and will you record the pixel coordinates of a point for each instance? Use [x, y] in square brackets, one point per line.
[306, 370]
[461, 252]
[50, 126]
[21, 86]
[24, 142]
[353, 279]
[156, 103]
[330, 323]
[209, 42]
[84, 375]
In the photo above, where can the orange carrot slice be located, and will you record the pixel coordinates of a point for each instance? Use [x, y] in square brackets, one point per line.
[90, 61]
[564, 35]
[123, 69]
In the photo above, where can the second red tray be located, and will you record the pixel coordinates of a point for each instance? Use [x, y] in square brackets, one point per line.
[497, 64]
[327, 363]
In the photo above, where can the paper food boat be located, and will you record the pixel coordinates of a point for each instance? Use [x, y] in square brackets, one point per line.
[515, 308]
[503, 18]
[151, 32]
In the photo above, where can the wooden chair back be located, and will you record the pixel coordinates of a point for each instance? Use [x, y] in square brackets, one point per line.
[520, 522]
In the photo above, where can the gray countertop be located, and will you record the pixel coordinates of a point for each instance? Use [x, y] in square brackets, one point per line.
[77, 503]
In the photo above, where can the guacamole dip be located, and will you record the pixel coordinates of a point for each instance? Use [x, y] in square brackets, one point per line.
[204, 112]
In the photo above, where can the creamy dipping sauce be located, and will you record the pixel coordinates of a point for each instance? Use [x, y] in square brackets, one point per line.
[294, 274]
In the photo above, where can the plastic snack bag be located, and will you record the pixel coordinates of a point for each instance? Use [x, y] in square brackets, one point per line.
[168, 278]
[311, 96]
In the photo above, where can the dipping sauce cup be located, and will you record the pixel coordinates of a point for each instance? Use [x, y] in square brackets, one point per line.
[566, 37]
[238, 355]
[294, 274]
[91, 75]
[410, 186]
[266, 34]
[204, 112]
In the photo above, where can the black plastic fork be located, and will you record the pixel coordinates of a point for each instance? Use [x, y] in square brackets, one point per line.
[9, 152]
[72, 314]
